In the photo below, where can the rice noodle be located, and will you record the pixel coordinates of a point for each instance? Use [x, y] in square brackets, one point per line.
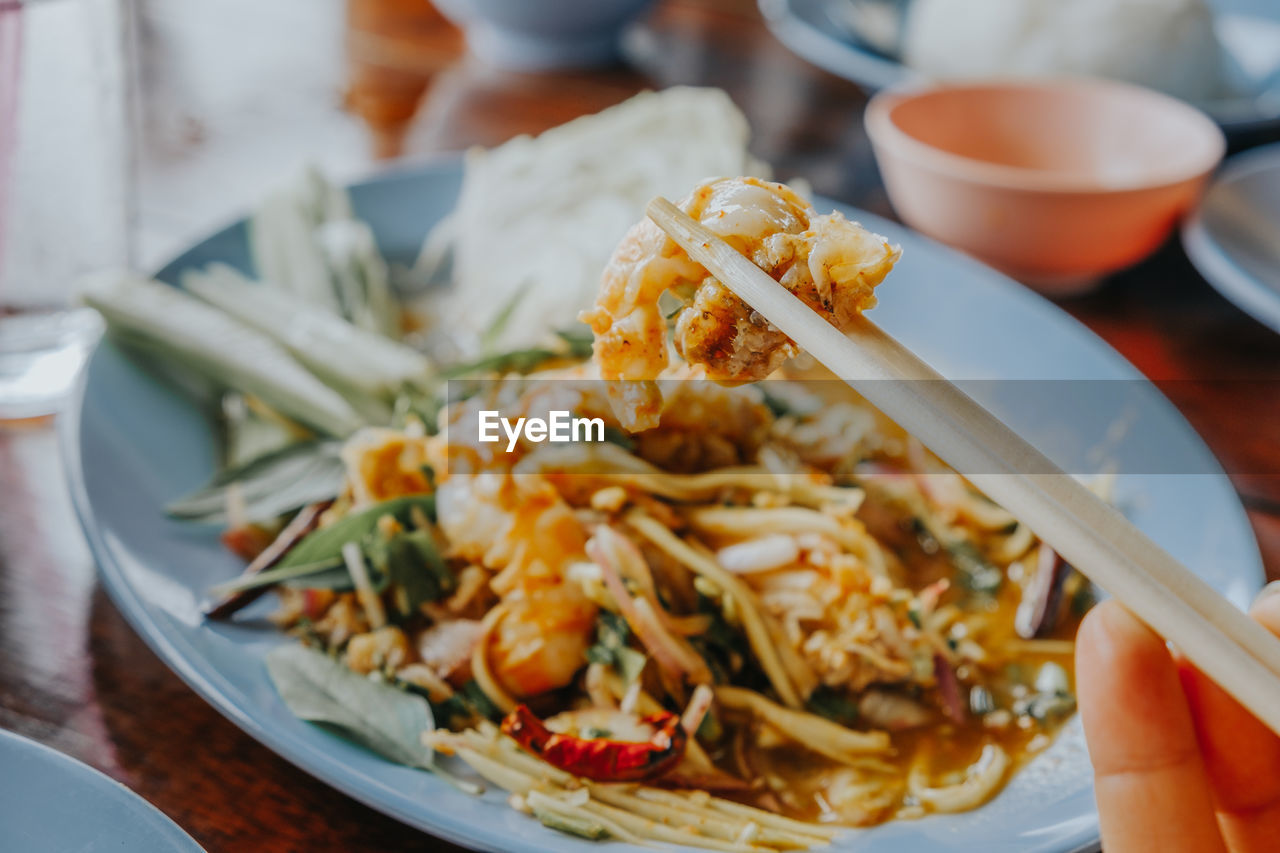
[753, 621]
[809, 730]
[480, 663]
[982, 780]
[633, 813]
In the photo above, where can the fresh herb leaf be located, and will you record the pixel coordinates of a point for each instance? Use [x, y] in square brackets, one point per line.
[325, 544]
[616, 435]
[270, 485]
[778, 406]
[834, 705]
[516, 361]
[407, 562]
[491, 335]
[321, 690]
[977, 575]
[323, 575]
[709, 730]
[612, 647]
[577, 345]
[469, 703]
[410, 564]
[579, 340]
[725, 649]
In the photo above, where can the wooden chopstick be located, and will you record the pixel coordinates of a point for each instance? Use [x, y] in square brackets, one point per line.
[1236, 652]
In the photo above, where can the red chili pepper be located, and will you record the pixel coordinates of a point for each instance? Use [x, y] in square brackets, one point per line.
[601, 759]
[247, 542]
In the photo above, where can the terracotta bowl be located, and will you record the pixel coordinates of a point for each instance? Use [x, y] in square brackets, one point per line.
[1056, 182]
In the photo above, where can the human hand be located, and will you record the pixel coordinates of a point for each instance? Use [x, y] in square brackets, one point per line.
[1179, 766]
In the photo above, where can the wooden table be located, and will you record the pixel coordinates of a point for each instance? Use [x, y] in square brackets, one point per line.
[72, 672]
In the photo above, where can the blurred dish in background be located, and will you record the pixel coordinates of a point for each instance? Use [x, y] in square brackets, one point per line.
[558, 204]
[1056, 183]
[1234, 236]
[1227, 62]
[1167, 45]
[50, 801]
[531, 35]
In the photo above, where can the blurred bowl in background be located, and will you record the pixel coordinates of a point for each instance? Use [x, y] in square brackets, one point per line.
[1056, 183]
[532, 35]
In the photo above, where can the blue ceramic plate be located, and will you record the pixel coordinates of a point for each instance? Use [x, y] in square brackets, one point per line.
[133, 443]
[1248, 29]
[1234, 236]
[51, 803]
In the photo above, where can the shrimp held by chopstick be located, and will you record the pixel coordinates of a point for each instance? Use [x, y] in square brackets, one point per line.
[829, 262]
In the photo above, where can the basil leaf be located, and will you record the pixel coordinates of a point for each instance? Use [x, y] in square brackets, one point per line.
[577, 345]
[325, 545]
[977, 575]
[516, 361]
[270, 485]
[579, 339]
[321, 690]
[834, 705]
[411, 565]
[611, 647]
[493, 333]
[466, 706]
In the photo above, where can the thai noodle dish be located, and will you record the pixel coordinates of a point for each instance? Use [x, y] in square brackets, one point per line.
[742, 610]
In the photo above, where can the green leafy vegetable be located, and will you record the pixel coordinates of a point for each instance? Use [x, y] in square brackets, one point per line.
[321, 690]
[616, 435]
[411, 565]
[776, 405]
[612, 647]
[181, 329]
[834, 705]
[579, 340]
[977, 575]
[406, 561]
[491, 335]
[725, 649]
[325, 545]
[322, 575]
[270, 485]
[306, 241]
[371, 368]
[577, 344]
[467, 704]
[374, 714]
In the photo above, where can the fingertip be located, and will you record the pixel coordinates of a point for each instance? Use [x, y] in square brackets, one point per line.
[1131, 700]
[1111, 634]
[1150, 783]
[1266, 607]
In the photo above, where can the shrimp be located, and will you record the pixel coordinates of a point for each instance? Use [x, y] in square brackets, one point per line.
[386, 463]
[829, 262]
[522, 528]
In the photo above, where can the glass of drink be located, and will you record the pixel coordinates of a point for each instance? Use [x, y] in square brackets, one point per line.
[64, 186]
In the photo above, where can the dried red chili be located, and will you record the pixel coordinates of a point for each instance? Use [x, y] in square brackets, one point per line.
[601, 759]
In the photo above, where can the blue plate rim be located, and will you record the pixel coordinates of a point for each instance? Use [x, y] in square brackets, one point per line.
[1212, 261]
[190, 666]
[116, 790]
